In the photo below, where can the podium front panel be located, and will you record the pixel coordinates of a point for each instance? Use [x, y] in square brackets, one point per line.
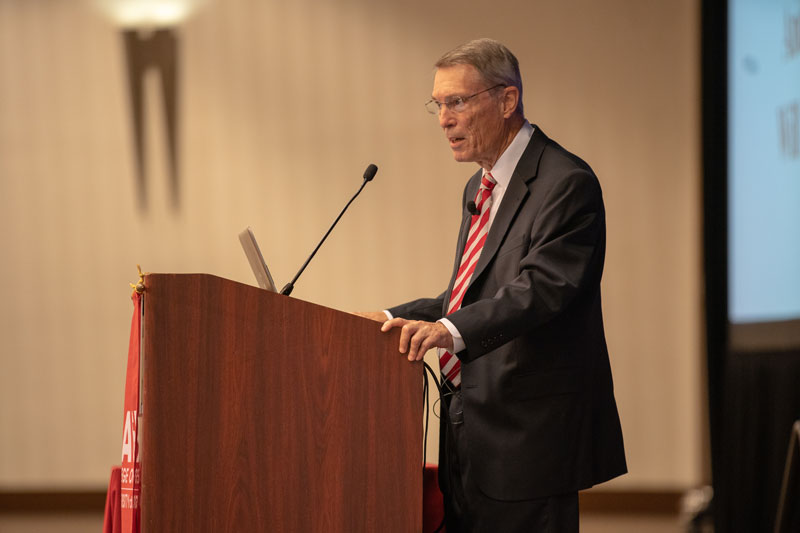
[268, 413]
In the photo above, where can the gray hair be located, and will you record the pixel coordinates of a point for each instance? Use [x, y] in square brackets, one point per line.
[493, 61]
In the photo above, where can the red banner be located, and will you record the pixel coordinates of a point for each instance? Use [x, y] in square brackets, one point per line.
[131, 470]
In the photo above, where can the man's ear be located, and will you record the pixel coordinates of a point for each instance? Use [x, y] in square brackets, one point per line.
[510, 101]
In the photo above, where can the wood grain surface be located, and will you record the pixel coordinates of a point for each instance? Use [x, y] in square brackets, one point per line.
[267, 413]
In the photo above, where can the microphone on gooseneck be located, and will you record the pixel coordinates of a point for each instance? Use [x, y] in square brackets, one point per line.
[368, 175]
[472, 208]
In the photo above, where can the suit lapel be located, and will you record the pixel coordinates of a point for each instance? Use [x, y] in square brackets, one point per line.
[513, 198]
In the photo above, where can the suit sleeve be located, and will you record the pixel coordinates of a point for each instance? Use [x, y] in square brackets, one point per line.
[564, 258]
[429, 309]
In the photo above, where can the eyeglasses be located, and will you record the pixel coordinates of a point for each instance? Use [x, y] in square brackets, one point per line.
[456, 104]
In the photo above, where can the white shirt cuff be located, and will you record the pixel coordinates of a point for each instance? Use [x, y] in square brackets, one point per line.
[388, 315]
[458, 342]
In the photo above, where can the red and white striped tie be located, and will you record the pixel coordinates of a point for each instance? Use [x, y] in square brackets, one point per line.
[478, 230]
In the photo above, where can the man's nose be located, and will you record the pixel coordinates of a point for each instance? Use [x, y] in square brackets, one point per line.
[446, 117]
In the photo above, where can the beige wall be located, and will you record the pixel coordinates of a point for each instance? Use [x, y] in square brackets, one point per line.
[283, 106]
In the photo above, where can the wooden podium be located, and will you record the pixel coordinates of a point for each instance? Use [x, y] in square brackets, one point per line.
[266, 413]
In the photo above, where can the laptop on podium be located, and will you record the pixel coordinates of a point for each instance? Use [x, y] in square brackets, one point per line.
[256, 260]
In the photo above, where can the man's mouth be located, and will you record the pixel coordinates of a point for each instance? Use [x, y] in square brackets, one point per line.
[454, 141]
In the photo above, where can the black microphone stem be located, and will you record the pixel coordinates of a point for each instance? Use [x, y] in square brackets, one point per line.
[289, 287]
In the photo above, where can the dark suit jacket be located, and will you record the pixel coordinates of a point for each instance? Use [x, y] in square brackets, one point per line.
[540, 417]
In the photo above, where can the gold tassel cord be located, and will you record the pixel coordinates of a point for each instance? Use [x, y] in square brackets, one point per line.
[138, 287]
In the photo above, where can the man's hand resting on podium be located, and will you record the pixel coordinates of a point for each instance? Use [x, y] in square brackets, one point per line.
[416, 336]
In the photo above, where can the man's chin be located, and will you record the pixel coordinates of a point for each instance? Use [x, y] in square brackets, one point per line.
[461, 157]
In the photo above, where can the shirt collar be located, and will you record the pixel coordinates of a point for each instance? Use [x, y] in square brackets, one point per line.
[505, 165]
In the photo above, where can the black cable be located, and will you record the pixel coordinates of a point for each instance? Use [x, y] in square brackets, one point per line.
[433, 375]
[426, 416]
[427, 370]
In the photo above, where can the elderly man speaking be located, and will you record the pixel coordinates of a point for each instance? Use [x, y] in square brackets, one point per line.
[529, 415]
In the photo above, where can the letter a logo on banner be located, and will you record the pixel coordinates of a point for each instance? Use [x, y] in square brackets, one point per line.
[131, 470]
